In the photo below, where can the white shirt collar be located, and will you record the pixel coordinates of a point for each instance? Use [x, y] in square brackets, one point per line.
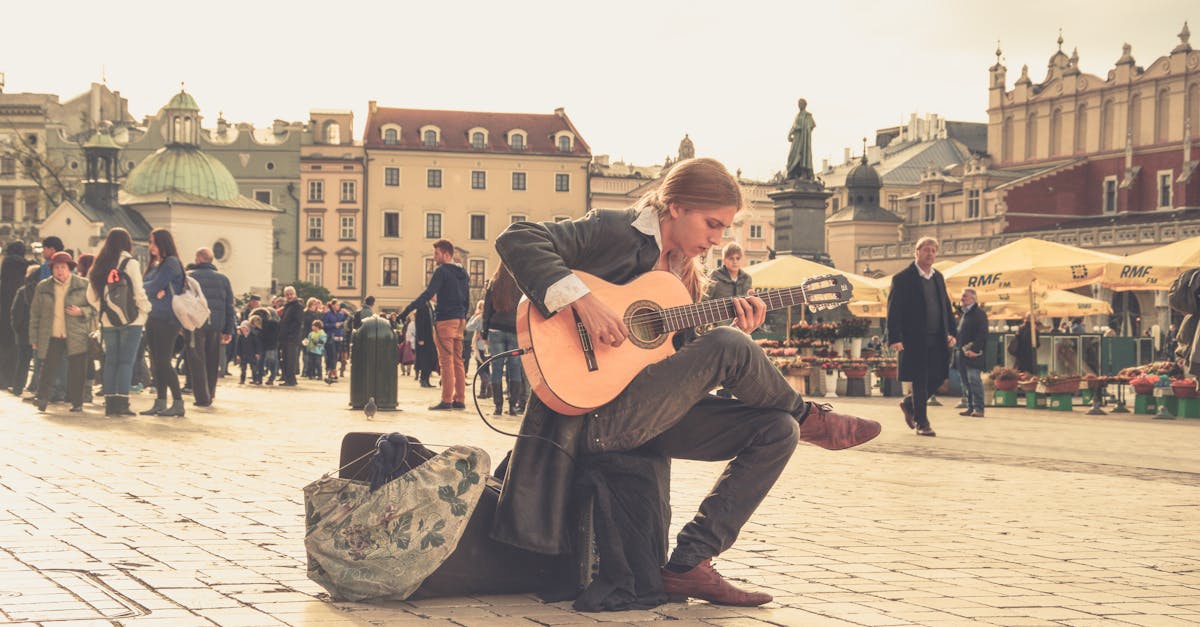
[647, 222]
[921, 272]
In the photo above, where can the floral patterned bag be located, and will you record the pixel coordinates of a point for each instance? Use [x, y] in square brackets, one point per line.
[381, 545]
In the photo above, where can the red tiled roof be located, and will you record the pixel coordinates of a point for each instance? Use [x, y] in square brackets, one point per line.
[455, 125]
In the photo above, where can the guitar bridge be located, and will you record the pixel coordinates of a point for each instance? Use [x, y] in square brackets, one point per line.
[585, 340]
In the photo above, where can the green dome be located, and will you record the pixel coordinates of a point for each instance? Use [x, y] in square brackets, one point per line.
[184, 169]
[183, 100]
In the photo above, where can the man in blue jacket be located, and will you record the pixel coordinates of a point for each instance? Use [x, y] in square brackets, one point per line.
[452, 288]
[204, 349]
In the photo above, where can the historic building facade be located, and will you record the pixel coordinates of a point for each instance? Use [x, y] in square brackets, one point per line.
[332, 199]
[464, 176]
[1103, 163]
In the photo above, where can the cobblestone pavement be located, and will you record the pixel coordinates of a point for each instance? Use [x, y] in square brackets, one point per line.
[1021, 518]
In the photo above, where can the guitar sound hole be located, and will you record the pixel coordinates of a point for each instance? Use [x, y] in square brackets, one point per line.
[645, 325]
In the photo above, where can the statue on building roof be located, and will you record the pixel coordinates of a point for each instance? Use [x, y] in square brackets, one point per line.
[800, 162]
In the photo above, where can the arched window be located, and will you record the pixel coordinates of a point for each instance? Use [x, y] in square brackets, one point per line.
[1135, 119]
[564, 143]
[1162, 114]
[1080, 143]
[1031, 132]
[1056, 132]
[516, 141]
[333, 133]
[477, 140]
[430, 138]
[391, 137]
[1108, 126]
[1006, 140]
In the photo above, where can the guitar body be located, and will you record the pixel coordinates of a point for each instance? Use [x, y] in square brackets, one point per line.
[557, 362]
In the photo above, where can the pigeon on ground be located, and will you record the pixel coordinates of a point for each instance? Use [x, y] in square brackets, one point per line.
[370, 407]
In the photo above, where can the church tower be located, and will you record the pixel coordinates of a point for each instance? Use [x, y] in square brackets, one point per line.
[100, 173]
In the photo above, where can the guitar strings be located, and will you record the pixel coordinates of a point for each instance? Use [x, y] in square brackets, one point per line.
[689, 314]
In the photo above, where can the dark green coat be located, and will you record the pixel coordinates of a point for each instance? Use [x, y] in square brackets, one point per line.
[41, 316]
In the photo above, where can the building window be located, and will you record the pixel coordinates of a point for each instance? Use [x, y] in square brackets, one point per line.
[391, 177]
[564, 143]
[32, 206]
[8, 208]
[478, 179]
[517, 218]
[391, 224]
[391, 137]
[756, 231]
[1110, 194]
[391, 271]
[8, 167]
[519, 181]
[349, 191]
[430, 266]
[433, 225]
[347, 230]
[477, 141]
[1164, 189]
[333, 133]
[930, 206]
[478, 227]
[562, 182]
[430, 139]
[517, 141]
[972, 203]
[433, 178]
[835, 203]
[263, 196]
[315, 270]
[316, 191]
[477, 268]
[316, 227]
[893, 202]
[346, 273]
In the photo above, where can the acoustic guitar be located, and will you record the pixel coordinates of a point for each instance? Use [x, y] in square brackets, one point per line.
[574, 375]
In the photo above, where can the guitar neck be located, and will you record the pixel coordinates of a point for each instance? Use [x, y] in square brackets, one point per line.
[722, 309]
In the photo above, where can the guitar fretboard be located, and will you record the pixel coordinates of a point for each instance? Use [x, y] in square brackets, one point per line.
[721, 309]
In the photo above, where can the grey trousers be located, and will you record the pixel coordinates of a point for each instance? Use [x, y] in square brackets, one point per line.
[667, 408]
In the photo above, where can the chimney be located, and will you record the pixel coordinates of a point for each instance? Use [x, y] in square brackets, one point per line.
[560, 112]
[601, 160]
[845, 155]
[372, 106]
[824, 165]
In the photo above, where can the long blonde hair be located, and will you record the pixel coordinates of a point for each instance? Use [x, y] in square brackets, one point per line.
[694, 184]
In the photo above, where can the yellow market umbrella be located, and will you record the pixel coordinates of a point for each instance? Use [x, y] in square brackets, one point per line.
[1051, 304]
[1014, 267]
[1153, 269]
[867, 308]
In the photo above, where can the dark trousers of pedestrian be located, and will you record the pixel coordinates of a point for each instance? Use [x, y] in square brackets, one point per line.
[21, 374]
[667, 409]
[268, 365]
[923, 385]
[333, 350]
[56, 350]
[255, 371]
[312, 364]
[203, 359]
[160, 342]
[291, 360]
[972, 385]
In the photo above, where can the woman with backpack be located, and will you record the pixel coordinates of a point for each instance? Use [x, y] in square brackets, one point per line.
[163, 278]
[115, 290]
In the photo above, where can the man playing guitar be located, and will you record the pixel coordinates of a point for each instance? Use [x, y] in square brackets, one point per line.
[667, 407]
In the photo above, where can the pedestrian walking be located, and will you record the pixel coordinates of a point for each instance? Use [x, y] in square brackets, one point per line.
[19, 316]
[204, 343]
[291, 332]
[920, 327]
[452, 287]
[729, 281]
[114, 284]
[500, 327]
[269, 361]
[249, 352]
[12, 277]
[971, 340]
[314, 310]
[333, 321]
[473, 343]
[163, 277]
[426, 362]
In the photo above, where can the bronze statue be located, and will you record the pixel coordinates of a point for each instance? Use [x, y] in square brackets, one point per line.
[800, 163]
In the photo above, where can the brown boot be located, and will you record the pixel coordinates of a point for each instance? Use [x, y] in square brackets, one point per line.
[834, 431]
[704, 582]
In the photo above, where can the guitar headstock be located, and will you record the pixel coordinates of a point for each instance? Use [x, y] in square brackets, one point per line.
[826, 291]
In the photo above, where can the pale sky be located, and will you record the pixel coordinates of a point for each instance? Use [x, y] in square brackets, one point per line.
[633, 76]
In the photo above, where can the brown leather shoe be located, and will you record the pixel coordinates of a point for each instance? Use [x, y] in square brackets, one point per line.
[927, 431]
[704, 582]
[909, 418]
[834, 431]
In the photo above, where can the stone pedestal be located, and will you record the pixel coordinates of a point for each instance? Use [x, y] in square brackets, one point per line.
[800, 221]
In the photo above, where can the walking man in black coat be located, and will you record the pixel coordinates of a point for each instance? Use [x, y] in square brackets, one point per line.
[971, 339]
[204, 347]
[920, 327]
[291, 331]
